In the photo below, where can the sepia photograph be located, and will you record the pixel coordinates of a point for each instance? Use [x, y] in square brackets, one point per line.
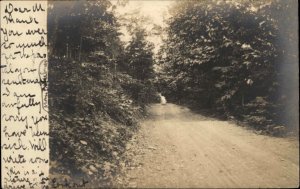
[162, 93]
[173, 94]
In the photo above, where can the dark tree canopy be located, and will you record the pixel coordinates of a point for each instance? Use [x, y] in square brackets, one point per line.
[140, 56]
[96, 94]
[226, 56]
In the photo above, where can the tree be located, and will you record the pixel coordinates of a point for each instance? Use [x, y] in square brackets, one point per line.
[92, 115]
[79, 29]
[139, 56]
[224, 55]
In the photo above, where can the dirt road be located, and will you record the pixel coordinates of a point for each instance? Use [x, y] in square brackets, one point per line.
[177, 148]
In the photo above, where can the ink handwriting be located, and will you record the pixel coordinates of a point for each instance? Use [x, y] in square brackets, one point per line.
[24, 94]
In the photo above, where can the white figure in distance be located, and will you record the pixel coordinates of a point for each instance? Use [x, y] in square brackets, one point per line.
[163, 100]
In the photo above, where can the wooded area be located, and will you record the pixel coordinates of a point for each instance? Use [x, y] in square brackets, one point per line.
[235, 59]
[98, 88]
[238, 59]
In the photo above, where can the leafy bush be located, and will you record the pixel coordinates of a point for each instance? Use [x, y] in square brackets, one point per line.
[229, 55]
[91, 119]
[94, 103]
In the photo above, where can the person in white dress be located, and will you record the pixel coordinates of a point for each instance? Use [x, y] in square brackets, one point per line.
[162, 99]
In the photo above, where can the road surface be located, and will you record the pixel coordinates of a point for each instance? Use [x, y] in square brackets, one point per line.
[177, 148]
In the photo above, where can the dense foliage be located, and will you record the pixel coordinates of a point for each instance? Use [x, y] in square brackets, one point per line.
[95, 100]
[139, 64]
[228, 57]
[234, 58]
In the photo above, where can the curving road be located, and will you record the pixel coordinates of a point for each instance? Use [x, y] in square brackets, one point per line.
[177, 148]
